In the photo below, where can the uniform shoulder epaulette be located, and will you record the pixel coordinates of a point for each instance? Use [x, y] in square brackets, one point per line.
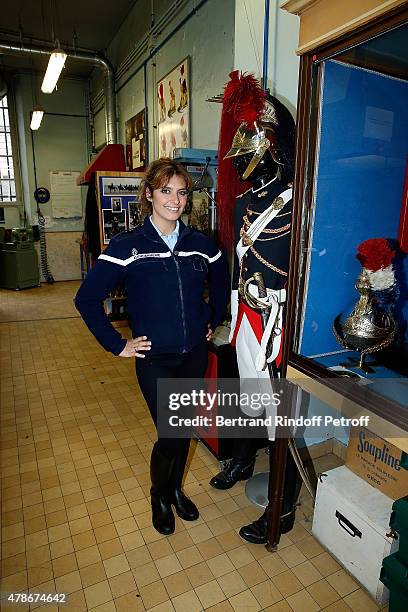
[135, 230]
[120, 237]
[123, 236]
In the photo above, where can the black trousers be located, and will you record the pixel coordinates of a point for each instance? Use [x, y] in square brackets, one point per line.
[170, 365]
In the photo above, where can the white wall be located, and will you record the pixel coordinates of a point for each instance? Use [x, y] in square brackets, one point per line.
[208, 38]
[283, 63]
[221, 36]
[99, 128]
[12, 217]
[59, 144]
[249, 32]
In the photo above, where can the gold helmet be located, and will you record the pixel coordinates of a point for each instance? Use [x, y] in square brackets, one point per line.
[259, 136]
[254, 122]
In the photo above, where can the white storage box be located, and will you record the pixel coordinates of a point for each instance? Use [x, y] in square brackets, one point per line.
[351, 519]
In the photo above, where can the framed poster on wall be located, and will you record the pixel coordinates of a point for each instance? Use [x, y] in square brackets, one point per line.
[118, 203]
[173, 95]
[135, 130]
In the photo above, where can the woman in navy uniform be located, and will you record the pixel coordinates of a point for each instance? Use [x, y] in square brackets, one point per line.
[165, 267]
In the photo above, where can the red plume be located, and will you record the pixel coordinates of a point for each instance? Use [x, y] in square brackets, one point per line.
[375, 254]
[244, 97]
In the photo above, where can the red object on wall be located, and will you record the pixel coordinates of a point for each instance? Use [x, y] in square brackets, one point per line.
[403, 225]
[111, 157]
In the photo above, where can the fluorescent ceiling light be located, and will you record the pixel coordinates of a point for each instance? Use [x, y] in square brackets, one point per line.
[36, 118]
[55, 65]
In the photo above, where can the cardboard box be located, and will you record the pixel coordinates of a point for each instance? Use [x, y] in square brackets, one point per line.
[378, 462]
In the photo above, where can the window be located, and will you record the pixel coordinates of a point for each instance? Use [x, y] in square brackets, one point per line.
[7, 182]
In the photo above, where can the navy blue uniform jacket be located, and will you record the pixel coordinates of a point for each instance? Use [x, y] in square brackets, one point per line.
[164, 289]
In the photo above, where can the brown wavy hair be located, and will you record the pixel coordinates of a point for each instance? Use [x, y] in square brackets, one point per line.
[158, 174]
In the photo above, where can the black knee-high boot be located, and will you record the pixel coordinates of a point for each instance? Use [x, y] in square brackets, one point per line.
[241, 465]
[184, 507]
[161, 468]
[256, 532]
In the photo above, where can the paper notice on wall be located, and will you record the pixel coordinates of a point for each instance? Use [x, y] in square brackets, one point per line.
[65, 194]
[136, 153]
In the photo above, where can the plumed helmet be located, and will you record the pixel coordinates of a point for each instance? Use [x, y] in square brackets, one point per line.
[252, 121]
[273, 129]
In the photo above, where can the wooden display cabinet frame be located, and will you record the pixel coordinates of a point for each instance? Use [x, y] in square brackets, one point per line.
[308, 109]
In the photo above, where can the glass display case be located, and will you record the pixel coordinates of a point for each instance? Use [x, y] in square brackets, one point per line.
[347, 315]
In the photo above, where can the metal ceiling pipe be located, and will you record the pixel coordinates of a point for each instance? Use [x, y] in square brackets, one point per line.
[93, 58]
[109, 91]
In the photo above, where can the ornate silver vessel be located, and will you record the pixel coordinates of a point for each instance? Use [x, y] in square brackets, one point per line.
[368, 328]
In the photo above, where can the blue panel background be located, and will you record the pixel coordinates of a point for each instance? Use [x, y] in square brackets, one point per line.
[359, 189]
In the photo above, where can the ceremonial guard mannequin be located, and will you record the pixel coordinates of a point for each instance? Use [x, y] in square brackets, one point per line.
[246, 328]
[262, 226]
[263, 153]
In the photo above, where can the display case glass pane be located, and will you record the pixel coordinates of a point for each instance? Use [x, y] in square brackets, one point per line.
[358, 192]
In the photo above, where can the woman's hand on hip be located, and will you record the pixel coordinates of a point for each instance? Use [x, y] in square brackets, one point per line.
[209, 333]
[134, 347]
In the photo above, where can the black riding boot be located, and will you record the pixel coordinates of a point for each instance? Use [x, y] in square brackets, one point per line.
[235, 470]
[161, 467]
[184, 507]
[256, 531]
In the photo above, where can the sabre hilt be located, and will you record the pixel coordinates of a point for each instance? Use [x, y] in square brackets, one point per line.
[260, 283]
[252, 300]
[264, 306]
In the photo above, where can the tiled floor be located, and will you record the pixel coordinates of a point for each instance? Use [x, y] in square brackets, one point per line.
[46, 302]
[76, 440]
